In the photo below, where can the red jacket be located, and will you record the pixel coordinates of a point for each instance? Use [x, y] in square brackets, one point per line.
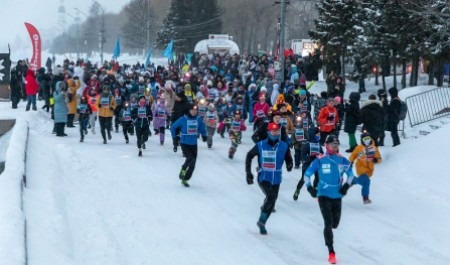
[31, 85]
[326, 124]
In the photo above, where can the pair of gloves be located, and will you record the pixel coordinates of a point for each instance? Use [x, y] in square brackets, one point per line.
[343, 190]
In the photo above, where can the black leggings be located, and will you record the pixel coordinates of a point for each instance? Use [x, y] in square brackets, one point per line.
[271, 192]
[331, 213]
[190, 151]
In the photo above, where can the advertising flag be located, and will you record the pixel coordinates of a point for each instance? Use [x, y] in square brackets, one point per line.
[35, 38]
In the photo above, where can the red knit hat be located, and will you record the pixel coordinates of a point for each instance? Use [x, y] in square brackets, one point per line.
[273, 126]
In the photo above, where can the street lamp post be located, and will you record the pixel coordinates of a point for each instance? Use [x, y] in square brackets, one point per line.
[77, 18]
[102, 31]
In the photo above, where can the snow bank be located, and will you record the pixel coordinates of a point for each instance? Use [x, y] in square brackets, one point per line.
[12, 219]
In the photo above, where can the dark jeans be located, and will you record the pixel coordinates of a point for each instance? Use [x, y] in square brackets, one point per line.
[393, 127]
[31, 100]
[83, 127]
[331, 213]
[105, 126]
[142, 135]
[271, 192]
[190, 151]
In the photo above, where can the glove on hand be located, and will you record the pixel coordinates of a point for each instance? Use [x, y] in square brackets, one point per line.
[375, 160]
[289, 167]
[204, 138]
[312, 191]
[111, 108]
[343, 190]
[249, 178]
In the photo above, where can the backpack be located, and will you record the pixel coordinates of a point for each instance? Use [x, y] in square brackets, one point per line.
[403, 110]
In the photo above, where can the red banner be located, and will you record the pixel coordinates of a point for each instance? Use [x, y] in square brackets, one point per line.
[35, 38]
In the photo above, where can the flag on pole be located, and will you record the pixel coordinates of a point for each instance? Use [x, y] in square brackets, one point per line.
[116, 52]
[147, 58]
[168, 52]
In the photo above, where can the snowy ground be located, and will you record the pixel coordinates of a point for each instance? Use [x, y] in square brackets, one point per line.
[89, 203]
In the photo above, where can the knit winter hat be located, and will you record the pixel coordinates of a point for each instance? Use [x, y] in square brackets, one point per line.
[273, 126]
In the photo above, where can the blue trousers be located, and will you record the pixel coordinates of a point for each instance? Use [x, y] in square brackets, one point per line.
[364, 181]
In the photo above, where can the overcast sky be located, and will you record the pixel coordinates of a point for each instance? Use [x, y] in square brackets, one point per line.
[43, 14]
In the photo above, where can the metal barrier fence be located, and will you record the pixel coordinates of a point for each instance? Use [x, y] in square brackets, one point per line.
[428, 106]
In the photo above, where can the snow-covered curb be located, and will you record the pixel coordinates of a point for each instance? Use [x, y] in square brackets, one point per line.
[12, 219]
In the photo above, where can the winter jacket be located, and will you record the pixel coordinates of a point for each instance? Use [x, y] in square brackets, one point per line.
[330, 169]
[271, 156]
[211, 119]
[84, 110]
[325, 124]
[160, 114]
[31, 85]
[364, 158]
[106, 105]
[72, 97]
[260, 110]
[142, 116]
[311, 149]
[190, 127]
[60, 108]
[352, 113]
[372, 116]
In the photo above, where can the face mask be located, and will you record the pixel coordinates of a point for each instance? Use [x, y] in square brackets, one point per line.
[272, 137]
[367, 141]
[317, 138]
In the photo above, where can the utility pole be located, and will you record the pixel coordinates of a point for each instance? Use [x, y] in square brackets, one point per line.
[102, 32]
[148, 29]
[283, 4]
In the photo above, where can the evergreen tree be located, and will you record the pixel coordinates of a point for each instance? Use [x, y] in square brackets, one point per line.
[140, 20]
[335, 31]
[188, 22]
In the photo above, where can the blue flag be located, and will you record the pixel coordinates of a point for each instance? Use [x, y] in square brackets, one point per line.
[168, 52]
[147, 58]
[116, 53]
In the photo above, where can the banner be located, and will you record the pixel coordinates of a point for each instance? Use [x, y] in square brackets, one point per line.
[35, 38]
[116, 52]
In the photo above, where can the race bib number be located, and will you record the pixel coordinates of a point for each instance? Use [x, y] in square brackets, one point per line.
[260, 114]
[299, 134]
[326, 168]
[142, 113]
[236, 126]
[210, 118]
[161, 113]
[269, 160]
[201, 111]
[369, 152]
[93, 100]
[192, 127]
[118, 100]
[314, 149]
[126, 116]
[104, 102]
[305, 124]
[82, 108]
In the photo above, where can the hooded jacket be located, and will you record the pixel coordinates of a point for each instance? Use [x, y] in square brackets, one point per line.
[364, 158]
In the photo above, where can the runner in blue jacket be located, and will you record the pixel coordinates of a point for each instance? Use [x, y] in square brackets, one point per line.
[331, 188]
[190, 126]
